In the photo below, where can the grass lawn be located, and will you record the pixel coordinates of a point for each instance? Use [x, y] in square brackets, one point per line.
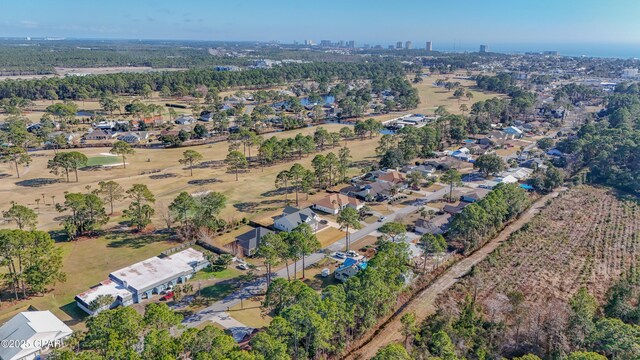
[104, 160]
[219, 290]
[250, 314]
[86, 263]
[207, 274]
[329, 235]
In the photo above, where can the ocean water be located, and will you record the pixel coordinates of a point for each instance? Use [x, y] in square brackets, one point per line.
[612, 50]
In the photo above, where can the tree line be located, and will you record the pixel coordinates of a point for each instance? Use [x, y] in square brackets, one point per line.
[609, 146]
[579, 329]
[96, 86]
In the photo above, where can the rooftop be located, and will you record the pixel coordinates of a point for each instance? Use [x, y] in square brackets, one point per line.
[149, 272]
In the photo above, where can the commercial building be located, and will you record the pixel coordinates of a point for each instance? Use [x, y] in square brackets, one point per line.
[399, 45]
[484, 49]
[408, 45]
[429, 46]
[30, 334]
[141, 280]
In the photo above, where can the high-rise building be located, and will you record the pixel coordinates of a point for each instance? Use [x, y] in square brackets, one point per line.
[325, 43]
[429, 46]
[390, 47]
[351, 44]
[484, 49]
[308, 42]
[399, 45]
[341, 43]
[408, 45]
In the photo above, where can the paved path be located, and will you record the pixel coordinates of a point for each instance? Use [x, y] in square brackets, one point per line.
[424, 303]
[257, 286]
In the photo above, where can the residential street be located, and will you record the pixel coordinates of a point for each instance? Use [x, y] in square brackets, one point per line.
[257, 286]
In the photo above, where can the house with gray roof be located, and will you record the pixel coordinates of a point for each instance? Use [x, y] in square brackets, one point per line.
[250, 240]
[291, 218]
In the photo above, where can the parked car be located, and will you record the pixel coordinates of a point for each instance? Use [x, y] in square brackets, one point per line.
[382, 218]
[340, 255]
[352, 253]
[168, 296]
[243, 266]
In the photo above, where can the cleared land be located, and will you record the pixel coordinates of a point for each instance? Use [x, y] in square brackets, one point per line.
[587, 237]
[160, 171]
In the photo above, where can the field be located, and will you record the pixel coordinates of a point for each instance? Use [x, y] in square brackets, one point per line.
[104, 160]
[432, 96]
[160, 171]
[587, 237]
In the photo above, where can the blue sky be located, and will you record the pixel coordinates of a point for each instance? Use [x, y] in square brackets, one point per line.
[366, 21]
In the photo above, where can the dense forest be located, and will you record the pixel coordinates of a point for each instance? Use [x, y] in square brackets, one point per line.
[610, 146]
[186, 82]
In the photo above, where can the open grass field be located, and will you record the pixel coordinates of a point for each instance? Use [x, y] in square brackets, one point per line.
[329, 235]
[86, 263]
[104, 160]
[586, 237]
[247, 197]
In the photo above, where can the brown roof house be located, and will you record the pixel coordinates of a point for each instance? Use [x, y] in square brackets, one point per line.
[333, 203]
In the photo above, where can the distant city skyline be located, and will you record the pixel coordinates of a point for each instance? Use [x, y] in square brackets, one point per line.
[371, 21]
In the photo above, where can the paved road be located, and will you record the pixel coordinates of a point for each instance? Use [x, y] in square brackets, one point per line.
[424, 303]
[257, 286]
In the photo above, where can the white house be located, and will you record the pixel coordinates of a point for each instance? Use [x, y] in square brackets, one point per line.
[32, 333]
[512, 130]
[143, 279]
[291, 218]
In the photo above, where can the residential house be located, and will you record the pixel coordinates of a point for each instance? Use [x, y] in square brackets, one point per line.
[391, 177]
[100, 135]
[206, 116]
[495, 137]
[250, 240]
[143, 279]
[375, 191]
[463, 154]
[520, 173]
[454, 209]
[291, 218]
[31, 333]
[349, 268]
[509, 179]
[436, 225]
[475, 195]
[424, 170]
[333, 203]
[534, 164]
[153, 120]
[185, 120]
[512, 130]
[135, 137]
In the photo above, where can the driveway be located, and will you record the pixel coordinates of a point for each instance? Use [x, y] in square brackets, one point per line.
[256, 287]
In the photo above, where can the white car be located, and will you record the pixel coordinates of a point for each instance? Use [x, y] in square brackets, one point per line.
[243, 266]
[352, 253]
[340, 255]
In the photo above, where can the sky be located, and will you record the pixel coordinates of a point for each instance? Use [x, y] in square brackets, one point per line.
[445, 22]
